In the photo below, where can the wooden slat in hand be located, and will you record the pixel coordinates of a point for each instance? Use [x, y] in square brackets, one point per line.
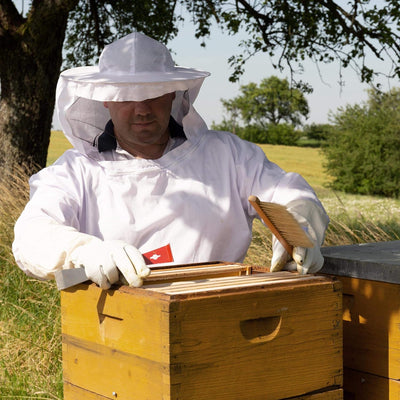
[282, 224]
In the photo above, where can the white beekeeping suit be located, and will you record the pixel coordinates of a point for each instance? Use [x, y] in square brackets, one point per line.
[102, 210]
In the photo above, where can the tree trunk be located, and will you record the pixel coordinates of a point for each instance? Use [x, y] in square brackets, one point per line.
[30, 62]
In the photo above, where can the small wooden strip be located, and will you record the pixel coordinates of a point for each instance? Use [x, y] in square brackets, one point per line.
[186, 287]
[255, 202]
[287, 224]
[263, 275]
[157, 267]
[282, 224]
[188, 272]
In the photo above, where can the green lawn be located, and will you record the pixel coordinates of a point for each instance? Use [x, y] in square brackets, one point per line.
[307, 161]
[58, 144]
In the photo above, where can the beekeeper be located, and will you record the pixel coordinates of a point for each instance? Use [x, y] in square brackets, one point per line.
[146, 176]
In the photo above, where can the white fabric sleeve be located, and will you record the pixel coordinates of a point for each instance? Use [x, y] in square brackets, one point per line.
[42, 246]
[47, 231]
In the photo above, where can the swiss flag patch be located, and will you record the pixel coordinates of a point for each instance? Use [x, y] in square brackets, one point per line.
[159, 256]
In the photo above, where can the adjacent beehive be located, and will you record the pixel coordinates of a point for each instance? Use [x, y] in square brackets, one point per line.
[370, 274]
[255, 336]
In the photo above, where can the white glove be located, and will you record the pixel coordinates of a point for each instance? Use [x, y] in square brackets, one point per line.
[314, 221]
[103, 260]
[305, 260]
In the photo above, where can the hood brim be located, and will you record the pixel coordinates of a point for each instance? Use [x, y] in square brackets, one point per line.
[92, 74]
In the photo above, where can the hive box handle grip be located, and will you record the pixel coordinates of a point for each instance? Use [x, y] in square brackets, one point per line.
[260, 330]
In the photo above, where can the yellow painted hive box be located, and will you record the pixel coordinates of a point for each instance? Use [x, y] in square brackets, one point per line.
[370, 274]
[209, 331]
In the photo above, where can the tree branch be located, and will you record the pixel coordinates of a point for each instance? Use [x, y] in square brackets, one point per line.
[95, 14]
[10, 18]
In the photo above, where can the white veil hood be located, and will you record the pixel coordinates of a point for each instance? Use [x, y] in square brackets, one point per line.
[133, 68]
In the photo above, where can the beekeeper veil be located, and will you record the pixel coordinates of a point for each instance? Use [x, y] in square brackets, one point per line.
[133, 68]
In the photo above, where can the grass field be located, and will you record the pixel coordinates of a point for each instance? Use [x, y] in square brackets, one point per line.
[306, 161]
[30, 337]
[58, 144]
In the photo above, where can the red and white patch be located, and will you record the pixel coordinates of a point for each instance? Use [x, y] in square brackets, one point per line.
[159, 256]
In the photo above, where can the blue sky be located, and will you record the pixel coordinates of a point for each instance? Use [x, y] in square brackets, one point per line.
[328, 95]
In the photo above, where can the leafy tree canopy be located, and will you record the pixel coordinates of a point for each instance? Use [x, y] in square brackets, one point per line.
[322, 30]
[96, 23]
[352, 33]
[271, 102]
[318, 132]
[363, 151]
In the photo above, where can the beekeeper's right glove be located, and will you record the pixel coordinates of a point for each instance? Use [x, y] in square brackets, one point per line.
[314, 222]
[103, 260]
[304, 260]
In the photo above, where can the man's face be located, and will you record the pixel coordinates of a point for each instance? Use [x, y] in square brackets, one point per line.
[140, 124]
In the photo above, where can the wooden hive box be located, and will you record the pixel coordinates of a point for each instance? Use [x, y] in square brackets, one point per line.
[256, 336]
[370, 274]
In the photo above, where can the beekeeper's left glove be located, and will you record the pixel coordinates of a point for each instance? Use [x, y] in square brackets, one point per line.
[304, 260]
[103, 260]
[314, 222]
